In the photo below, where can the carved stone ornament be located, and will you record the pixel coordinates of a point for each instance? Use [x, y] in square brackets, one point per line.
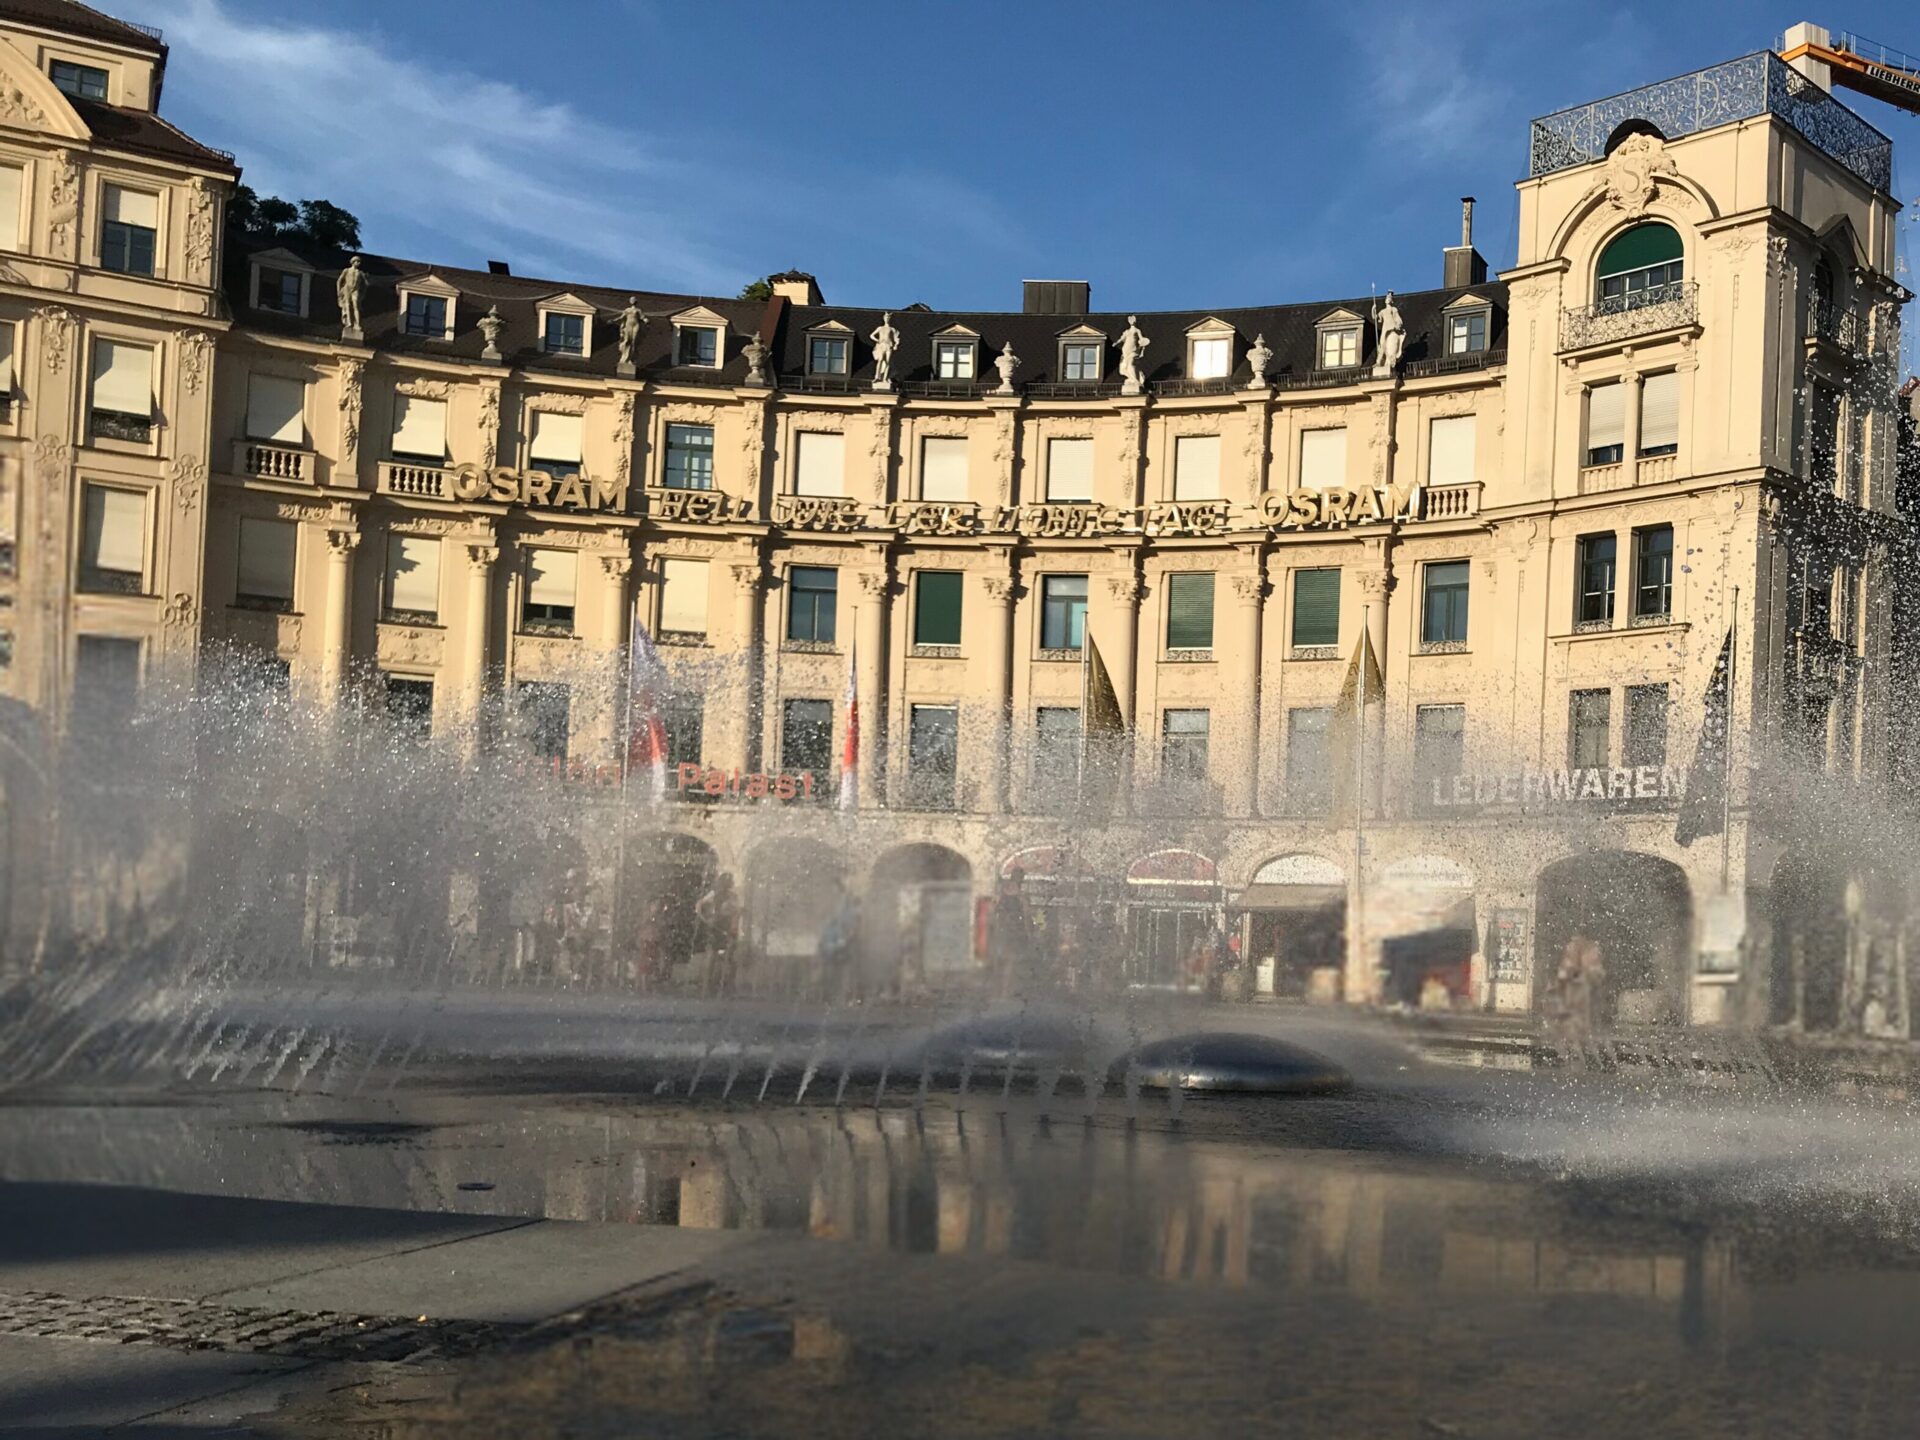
[63, 202]
[1375, 584]
[483, 557]
[196, 349]
[617, 567]
[343, 542]
[51, 456]
[1631, 178]
[1249, 588]
[201, 206]
[352, 374]
[57, 337]
[873, 583]
[758, 352]
[491, 328]
[409, 646]
[188, 476]
[425, 525]
[686, 414]
[999, 588]
[298, 513]
[1777, 255]
[421, 388]
[289, 640]
[1125, 589]
[556, 402]
[19, 108]
[181, 613]
[746, 576]
[623, 439]
[1253, 444]
[753, 431]
[489, 426]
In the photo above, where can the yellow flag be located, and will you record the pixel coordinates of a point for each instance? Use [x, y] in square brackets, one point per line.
[1102, 715]
[1363, 679]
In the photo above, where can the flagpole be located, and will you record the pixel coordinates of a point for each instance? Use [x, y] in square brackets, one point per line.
[1359, 789]
[1726, 779]
[626, 766]
[1086, 714]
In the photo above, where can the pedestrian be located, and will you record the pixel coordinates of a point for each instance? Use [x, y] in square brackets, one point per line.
[839, 948]
[1012, 946]
[718, 912]
[1577, 992]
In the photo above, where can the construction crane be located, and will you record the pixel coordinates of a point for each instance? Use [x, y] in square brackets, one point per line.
[1856, 62]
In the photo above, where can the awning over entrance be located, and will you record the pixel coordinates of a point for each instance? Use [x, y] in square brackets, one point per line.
[1424, 892]
[1174, 867]
[1291, 897]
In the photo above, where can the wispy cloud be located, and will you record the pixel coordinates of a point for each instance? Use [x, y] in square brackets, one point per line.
[1426, 93]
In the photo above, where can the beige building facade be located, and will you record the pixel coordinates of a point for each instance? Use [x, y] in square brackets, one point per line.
[1416, 610]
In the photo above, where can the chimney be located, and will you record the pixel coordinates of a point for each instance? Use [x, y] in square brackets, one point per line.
[797, 287]
[1055, 297]
[1804, 47]
[1464, 265]
[498, 267]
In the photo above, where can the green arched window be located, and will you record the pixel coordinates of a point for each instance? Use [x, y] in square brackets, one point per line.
[1647, 258]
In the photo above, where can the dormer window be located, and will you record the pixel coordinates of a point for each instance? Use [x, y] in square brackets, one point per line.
[280, 283]
[1337, 341]
[566, 326]
[1468, 321]
[827, 355]
[426, 308]
[88, 82]
[956, 353]
[699, 338]
[1210, 350]
[1082, 352]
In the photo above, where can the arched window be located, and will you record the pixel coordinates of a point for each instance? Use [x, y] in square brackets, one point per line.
[1641, 266]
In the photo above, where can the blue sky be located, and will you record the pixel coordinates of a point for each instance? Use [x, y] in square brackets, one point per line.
[1175, 154]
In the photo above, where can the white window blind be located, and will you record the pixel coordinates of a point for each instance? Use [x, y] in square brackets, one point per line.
[1660, 410]
[1450, 450]
[551, 577]
[276, 408]
[683, 596]
[1196, 467]
[820, 467]
[116, 533]
[6, 358]
[1211, 358]
[122, 377]
[555, 437]
[266, 558]
[1606, 416]
[12, 186]
[1069, 469]
[1323, 458]
[131, 207]
[419, 426]
[413, 573]
[943, 467]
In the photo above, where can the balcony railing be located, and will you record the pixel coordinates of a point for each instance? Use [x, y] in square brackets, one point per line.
[1624, 317]
[1653, 470]
[1596, 478]
[1451, 502]
[1215, 385]
[1833, 323]
[118, 425]
[1321, 379]
[1453, 364]
[1072, 389]
[945, 389]
[264, 461]
[415, 481]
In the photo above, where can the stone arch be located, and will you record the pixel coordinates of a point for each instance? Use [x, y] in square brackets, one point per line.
[918, 920]
[1638, 908]
[1292, 920]
[666, 874]
[1420, 911]
[1579, 243]
[791, 887]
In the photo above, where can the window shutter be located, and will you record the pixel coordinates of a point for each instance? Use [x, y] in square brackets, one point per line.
[12, 179]
[683, 596]
[936, 618]
[122, 378]
[1660, 410]
[276, 409]
[555, 437]
[131, 207]
[1450, 450]
[266, 558]
[413, 573]
[943, 468]
[1606, 416]
[1196, 467]
[1323, 458]
[116, 534]
[419, 427]
[1190, 612]
[1069, 469]
[551, 577]
[820, 467]
[1316, 607]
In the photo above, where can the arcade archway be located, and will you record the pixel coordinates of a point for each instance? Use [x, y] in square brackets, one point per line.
[1638, 909]
[918, 917]
[666, 874]
[792, 889]
[1421, 911]
[1175, 921]
[1295, 926]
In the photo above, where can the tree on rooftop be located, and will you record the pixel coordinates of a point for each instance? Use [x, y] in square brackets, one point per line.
[313, 222]
[761, 289]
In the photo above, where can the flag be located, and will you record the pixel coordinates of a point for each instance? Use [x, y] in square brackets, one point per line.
[1703, 806]
[1364, 685]
[1103, 727]
[646, 730]
[850, 746]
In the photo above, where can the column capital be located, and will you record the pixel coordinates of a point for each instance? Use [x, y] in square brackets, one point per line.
[873, 583]
[482, 557]
[342, 542]
[747, 574]
[618, 567]
[1249, 589]
[1126, 589]
[1375, 584]
[999, 588]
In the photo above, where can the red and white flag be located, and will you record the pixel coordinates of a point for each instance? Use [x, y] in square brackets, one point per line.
[850, 747]
[646, 730]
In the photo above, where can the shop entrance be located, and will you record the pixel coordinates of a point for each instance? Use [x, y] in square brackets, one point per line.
[1422, 911]
[1295, 927]
[1174, 915]
[919, 909]
[1638, 910]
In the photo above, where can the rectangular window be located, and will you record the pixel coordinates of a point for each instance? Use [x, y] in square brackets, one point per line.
[933, 756]
[413, 579]
[1316, 608]
[544, 715]
[1660, 414]
[943, 468]
[689, 457]
[106, 683]
[409, 705]
[826, 355]
[279, 291]
[936, 610]
[1823, 439]
[1069, 470]
[1443, 619]
[12, 212]
[129, 224]
[1323, 458]
[419, 430]
[1653, 572]
[1593, 602]
[684, 718]
[427, 315]
[265, 574]
[806, 736]
[1190, 612]
[6, 367]
[1196, 467]
[113, 543]
[89, 82]
[1309, 760]
[699, 345]
[1450, 446]
[820, 466]
[1340, 348]
[276, 410]
[552, 589]
[1467, 333]
[1589, 728]
[1063, 611]
[812, 598]
[1080, 361]
[1606, 423]
[122, 391]
[1645, 742]
[1212, 357]
[555, 443]
[1439, 745]
[683, 597]
[953, 359]
[1183, 746]
[566, 334]
[1056, 750]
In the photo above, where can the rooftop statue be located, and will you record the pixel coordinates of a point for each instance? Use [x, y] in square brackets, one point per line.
[490, 327]
[1393, 337]
[1006, 365]
[757, 352]
[1259, 358]
[632, 322]
[1133, 344]
[351, 288]
[885, 340]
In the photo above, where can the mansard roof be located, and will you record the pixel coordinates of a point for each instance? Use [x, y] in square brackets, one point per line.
[78, 19]
[122, 127]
